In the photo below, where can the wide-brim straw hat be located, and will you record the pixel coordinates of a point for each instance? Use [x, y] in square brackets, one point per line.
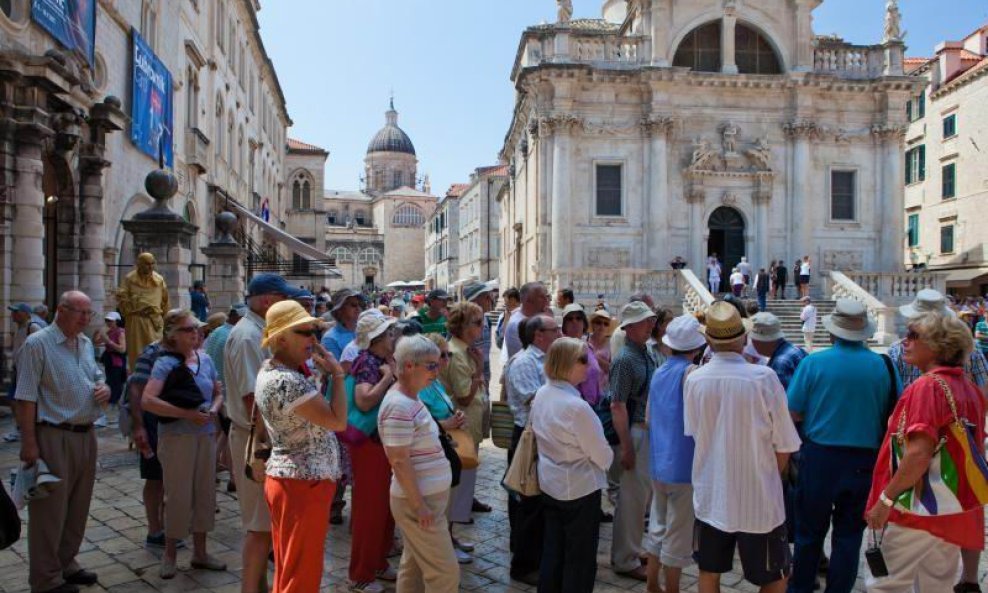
[603, 314]
[926, 301]
[850, 321]
[283, 316]
[724, 323]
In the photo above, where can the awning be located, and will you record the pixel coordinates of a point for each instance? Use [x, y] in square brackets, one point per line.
[964, 277]
[300, 247]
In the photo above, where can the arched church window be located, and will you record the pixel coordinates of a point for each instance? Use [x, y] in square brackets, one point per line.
[408, 215]
[306, 195]
[369, 255]
[700, 49]
[753, 53]
[341, 254]
[296, 195]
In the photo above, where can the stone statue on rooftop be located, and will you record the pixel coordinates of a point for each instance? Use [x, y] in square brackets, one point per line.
[893, 22]
[565, 10]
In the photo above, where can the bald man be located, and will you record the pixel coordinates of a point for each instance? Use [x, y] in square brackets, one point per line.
[60, 391]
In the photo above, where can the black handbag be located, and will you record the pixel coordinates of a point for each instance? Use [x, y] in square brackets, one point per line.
[181, 389]
[10, 522]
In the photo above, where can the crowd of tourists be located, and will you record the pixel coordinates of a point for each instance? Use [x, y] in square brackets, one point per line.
[710, 434]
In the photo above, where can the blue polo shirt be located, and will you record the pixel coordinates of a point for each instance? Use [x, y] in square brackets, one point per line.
[337, 338]
[670, 450]
[842, 394]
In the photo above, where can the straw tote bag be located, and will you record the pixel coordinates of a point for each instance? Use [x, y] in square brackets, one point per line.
[523, 473]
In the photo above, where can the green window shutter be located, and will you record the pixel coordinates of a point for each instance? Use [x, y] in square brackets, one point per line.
[909, 166]
[922, 163]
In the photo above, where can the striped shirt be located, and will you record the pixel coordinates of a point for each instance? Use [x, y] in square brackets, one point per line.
[59, 375]
[525, 375]
[737, 414]
[976, 367]
[405, 422]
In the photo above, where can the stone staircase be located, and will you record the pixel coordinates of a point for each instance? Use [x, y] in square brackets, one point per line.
[788, 313]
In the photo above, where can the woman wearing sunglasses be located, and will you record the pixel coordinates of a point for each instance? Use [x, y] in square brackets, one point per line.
[304, 465]
[422, 476]
[573, 458]
[186, 442]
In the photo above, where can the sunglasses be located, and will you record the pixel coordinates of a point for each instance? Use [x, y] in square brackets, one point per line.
[430, 366]
[188, 329]
[309, 333]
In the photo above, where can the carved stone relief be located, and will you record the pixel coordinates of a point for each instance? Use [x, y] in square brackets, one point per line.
[843, 260]
[609, 257]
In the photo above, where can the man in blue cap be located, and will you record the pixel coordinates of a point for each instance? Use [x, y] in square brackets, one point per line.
[27, 323]
[242, 359]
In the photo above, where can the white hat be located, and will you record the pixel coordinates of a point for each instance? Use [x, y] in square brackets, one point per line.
[634, 312]
[765, 327]
[112, 316]
[683, 334]
[926, 301]
[370, 326]
[850, 321]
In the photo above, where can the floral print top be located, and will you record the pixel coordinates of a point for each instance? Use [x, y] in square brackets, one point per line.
[300, 450]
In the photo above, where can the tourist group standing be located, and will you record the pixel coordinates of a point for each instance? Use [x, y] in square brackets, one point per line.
[713, 435]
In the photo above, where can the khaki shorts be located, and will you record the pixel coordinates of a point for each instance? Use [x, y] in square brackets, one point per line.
[254, 513]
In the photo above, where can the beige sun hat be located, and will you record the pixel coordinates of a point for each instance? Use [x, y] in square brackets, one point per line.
[370, 325]
[603, 314]
[283, 316]
[724, 323]
[634, 312]
[926, 301]
[765, 327]
[850, 321]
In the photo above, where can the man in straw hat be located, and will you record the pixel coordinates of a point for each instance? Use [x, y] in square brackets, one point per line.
[630, 374]
[737, 414]
[843, 397]
[976, 368]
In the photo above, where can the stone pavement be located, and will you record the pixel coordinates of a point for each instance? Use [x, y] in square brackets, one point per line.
[115, 536]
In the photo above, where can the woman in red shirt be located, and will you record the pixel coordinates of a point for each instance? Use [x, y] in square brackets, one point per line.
[922, 546]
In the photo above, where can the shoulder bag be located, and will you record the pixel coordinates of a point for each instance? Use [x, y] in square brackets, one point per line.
[957, 478]
[523, 473]
[258, 451]
[449, 450]
[463, 443]
[180, 388]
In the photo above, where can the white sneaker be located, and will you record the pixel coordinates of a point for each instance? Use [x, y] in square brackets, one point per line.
[372, 587]
[12, 436]
[462, 557]
[388, 574]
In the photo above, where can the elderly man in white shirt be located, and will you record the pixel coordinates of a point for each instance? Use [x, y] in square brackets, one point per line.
[738, 415]
[573, 458]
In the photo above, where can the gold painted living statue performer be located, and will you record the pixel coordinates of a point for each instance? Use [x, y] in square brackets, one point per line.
[142, 300]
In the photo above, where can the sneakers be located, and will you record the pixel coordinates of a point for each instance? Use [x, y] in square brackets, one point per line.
[466, 547]
[371, 587]
[388, 574]
[462, 557]
[12, 436]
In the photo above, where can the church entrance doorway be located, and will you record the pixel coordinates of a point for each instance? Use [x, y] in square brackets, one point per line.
[726, 240]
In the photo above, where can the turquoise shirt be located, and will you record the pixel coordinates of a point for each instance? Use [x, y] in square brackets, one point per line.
[842, 394]
[436, 401]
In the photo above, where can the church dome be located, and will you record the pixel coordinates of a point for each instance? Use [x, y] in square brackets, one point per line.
[391, 138]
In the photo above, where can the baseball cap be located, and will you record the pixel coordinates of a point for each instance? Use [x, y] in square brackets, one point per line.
[269, 284]
[20, 308]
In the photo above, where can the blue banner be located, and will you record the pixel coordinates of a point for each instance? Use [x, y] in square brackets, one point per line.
[71, 22]
[151, 107]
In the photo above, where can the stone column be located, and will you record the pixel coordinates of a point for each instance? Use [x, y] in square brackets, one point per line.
[889, 203]
[91, 239]
[697, 258]
[561, 213]
[761, 199]
[727, 43]
[799, 134]
[28, 227]
[657, 191]
[225, 274]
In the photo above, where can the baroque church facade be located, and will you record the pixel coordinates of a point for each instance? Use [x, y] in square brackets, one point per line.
[372, 234]
[686, 128]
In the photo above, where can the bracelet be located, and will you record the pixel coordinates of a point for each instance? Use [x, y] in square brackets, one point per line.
[885, 500]
[338, 375]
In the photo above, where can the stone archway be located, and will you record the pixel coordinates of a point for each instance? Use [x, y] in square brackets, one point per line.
[726, 238]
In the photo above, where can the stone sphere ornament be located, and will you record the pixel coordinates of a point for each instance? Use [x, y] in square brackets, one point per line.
[225, 223]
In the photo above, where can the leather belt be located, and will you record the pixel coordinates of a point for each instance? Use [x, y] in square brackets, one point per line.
[68, 427]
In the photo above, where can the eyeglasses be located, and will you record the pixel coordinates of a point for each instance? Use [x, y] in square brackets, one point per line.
[430, 366]
[188, 329]
[83, 312]
[309, 333]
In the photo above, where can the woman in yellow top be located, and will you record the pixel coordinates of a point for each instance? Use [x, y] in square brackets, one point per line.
[464, 382]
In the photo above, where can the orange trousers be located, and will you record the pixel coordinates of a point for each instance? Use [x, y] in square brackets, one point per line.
[371, 525]
[299, 521]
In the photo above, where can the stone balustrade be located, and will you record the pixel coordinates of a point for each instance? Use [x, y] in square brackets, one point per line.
[849, 61]
[882, 293]
[583, 47]
[696, 297]
[668, 287]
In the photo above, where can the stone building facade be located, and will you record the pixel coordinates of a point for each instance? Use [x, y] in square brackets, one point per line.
[946, 179]
[479, 221]
[442, 247]
[71, 173]
[676, 127]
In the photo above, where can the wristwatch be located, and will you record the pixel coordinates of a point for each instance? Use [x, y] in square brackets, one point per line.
[885, 500]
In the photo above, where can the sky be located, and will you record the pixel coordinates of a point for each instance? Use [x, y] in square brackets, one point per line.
[448, 64]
